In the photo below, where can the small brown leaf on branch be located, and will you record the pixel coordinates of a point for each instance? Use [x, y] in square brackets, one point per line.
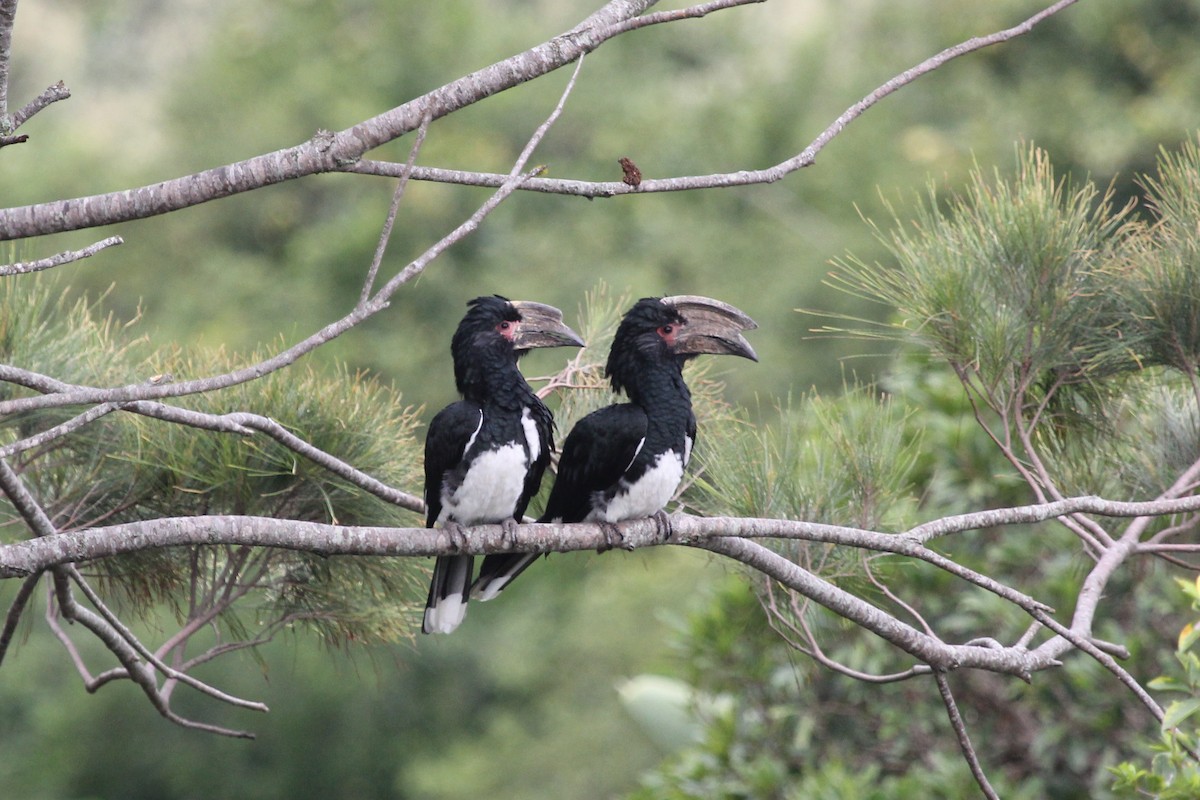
[633, 175]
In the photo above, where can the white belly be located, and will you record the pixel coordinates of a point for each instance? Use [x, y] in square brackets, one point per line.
[646, 497]
[490, 490]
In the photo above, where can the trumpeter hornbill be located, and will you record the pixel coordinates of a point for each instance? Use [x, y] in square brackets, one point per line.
[625, 461]
[485, 454]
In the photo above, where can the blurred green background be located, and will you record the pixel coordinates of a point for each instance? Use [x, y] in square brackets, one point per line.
[522, 701]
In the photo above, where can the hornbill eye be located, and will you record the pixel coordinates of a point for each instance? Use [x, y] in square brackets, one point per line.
[505, 329]
[667, 332]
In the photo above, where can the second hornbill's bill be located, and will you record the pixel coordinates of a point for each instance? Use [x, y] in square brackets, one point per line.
[485, 454]
[626, 461]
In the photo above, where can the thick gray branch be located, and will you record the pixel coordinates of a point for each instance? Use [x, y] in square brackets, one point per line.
[27, 557]
[24, 558]
[324, 152]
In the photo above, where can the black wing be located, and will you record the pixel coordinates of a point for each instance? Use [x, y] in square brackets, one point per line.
[597, 452]
[445, 444]
[544, 421]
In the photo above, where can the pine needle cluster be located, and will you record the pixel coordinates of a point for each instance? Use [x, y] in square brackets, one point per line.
[1073, 325]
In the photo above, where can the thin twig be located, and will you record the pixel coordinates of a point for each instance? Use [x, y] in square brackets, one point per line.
[964, 740]
[238, 422]
[386, 234]
[24, 267]
[133, 641]
[62, 429]
[51, 94]
[15, 609]
[692, 12]
[544, 128]
[813, 649]
[917, 616]
[133, 668]
[284, 358]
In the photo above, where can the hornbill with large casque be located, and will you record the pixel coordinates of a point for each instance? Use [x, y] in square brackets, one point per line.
[626, 460]
[485, 454]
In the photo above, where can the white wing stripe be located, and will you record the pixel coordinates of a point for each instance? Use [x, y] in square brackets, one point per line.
[478, 428]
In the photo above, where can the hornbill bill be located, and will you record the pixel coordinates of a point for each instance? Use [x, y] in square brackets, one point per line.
[485, 454]
[626, 460]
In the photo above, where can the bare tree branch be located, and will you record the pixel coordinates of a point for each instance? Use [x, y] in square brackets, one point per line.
[386, 234]
[326, 151]
[133, 668]
[22, 267]
[964, 740]
[150, 657]
[285, 358]
[239, 422]
[362, 311]
[119, 641]
[718, 535]
[343, 151]
[27, 557]
[807, 157]
[15, 609]
[51, 94]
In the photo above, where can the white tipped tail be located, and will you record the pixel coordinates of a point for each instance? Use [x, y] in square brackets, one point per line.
[448, 593]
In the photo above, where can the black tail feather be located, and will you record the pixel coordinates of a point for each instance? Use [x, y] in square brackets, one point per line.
[500, 570]
[448, 593]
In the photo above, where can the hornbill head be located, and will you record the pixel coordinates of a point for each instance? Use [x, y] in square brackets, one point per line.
[675, 329]
[497, 328]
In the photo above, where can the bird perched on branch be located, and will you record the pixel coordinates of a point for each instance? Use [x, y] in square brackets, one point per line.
[626, 460]
[485, 454]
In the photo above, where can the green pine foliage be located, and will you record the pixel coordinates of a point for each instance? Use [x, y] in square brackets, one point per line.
[1061, 314]
[844, 460]
[1006, 282]
[126, 467]
[1161, 268]
[1037, 323]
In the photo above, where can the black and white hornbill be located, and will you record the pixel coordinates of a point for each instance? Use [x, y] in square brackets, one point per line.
[485, 454]
[626, 460]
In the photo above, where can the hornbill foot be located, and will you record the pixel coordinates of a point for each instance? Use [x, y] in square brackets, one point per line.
[508, 532]
[458, 536]
[612, 538]
[662, 524]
